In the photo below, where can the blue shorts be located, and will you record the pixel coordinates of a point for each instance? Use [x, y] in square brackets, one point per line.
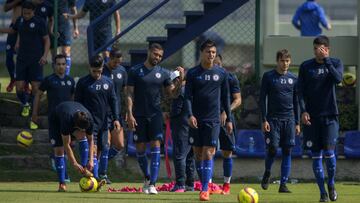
[65, 36]
[148, 129]
[282, 133]
[54, 132]
[323, 132]
[227, 142]
[207, 134]
[28, 69]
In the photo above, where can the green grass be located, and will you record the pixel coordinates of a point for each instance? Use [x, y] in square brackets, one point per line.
[46, 192]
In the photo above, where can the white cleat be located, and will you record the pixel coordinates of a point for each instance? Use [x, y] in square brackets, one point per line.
[152, 190]
[145, 188]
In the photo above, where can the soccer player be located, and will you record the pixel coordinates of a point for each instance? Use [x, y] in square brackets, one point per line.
[227, 141]
[71, 118]
[15, 7]
[319, 112]
[206, 89]
[144, 115]
[96, 92]
[183, 155]
[103, 30]
[113, 69]
[33, 47]
[280, 116]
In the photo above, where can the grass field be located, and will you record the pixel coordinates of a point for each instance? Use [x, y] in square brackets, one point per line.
[46, 192]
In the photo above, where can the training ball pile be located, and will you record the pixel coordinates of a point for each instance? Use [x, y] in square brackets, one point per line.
[349, 79]
[24, 139]
[248, 195]
[88, 184]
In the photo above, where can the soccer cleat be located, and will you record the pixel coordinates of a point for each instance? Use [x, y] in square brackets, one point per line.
[106, 178]
[100, 184]
[178, 188]
[189, 188]
[33, 125]
[10, 86]
[265, 181]
[204, 196]
[26, 110]
[226, 189]
[283, 189]
[332, 193]
[62, 187]
[324, 197]
[145, 187]
[152, 190]
[67, 180]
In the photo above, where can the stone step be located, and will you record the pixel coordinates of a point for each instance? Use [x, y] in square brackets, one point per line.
[22, 162]
[35, 149]
[8, 135]
[11, 106]
[22, 122]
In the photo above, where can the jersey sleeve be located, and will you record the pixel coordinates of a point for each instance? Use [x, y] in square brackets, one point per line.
[263, 97]
[189, 93]
[125, 75]
[131, 78]
[296, 103]
[225, 96]
[235, 85]
[301, 88]
[79, 91]
[43, 30]
[17, 24]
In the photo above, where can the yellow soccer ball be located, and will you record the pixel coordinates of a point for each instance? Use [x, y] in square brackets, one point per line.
[248, 195]
[24, 139]
[349, 79]
[88, 184]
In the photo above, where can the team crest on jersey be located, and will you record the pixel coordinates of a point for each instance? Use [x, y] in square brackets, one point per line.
[62, 83]
[290, 81]
[104, 1]
[119, 76]
[68, 82]
[52, 141]
[191, 140]
[158, 75]
[8, 47]
[43, 9]
[32, 25]
[106, 86]
[135, 137]
[267, 140]
[309, 144]
[216, 77]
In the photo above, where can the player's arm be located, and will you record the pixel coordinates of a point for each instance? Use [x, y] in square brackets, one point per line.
[296, 19]
[46, 40]
[117, 22]
[7, 30]
[336, 70]
[296, 110]
[79, 90]
[264, 90]
[78, 15]
[305, 116]
[188, 101]
[115, 107]
[11, 4]
[225, 99]
[129, 103]
[236, 94]
[73, 11]
[324, 22]
[70, 154]
[35, 111]
[90, 139]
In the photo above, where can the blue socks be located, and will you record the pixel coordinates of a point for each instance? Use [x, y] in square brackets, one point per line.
[198, 166]
[84, 151]
[96, 167]
[285, 168]
[227, 167]
[143, 163]
[103, 165]
[60, 168]
[113, 152]
[318, 170]
[68, 65]
[206, 174]
[155, 164]
[330, 161]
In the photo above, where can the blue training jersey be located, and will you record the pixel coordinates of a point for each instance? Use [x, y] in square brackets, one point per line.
[31, 33]
[58, 90]
[44, 10]
[64, 117]
[97, 96]
[317, 84]
[97, 8]
[63, 7]
[278, 96]
[205, 90]
[148, 83]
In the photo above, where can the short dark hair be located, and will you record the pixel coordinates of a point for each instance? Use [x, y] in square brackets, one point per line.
[282, 53]
[96, 61]
[28, 5]
[115, 53]
[153, 46]
[322, 40]
[81, 120]
[206, 44]
[59, 56]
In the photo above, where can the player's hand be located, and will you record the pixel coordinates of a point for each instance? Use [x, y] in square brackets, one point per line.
[79, 168]
[229, 128]
[193, 122]
[43, 60]
[131, 122]
[305, 118]
[16, 47]
[90, 165]
[66, 16]
[223, 118]
[76, 33]
[324, 51]
[265, 126]
[182, 73]
[166, 116]
[117, 125]
[297, 129]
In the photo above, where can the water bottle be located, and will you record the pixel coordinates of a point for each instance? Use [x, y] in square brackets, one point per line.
[251, 145]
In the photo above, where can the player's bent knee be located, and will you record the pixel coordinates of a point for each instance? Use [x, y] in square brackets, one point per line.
[226, 154]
